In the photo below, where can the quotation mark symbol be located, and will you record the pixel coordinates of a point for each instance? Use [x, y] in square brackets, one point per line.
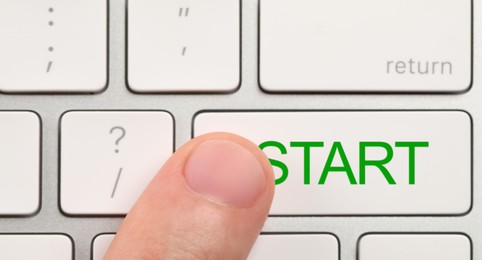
[183, 12]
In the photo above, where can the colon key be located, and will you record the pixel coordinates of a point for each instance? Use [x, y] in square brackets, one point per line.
[53, 46]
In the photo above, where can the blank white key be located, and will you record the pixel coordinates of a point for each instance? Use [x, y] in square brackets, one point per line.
[370, 45]
[360, 163]
[101, 245]
[279, 247]
[289, 247]
[415, 247]
[178, 46]
[108, 158]
[19, 163]
[38, 247]
[53, 46]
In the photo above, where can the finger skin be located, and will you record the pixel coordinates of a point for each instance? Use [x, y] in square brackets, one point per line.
[171, 221]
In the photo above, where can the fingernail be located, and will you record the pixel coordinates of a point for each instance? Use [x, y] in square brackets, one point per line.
[225, 172]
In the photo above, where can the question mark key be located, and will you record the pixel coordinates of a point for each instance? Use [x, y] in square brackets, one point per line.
[107, 158]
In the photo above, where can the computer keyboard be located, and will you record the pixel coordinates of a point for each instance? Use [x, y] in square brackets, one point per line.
[369, 112]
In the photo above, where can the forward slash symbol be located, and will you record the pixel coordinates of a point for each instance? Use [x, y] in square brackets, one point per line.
[184, 51]
[116, 182]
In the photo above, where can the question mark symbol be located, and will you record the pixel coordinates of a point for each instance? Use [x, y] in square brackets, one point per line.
[123, 133]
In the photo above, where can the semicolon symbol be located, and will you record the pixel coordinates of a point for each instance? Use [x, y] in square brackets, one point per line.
[51, 48]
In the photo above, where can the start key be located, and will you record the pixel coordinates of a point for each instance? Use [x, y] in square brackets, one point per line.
[360, 163]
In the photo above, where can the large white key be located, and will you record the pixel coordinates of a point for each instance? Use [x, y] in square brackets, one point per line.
[268, 246]
[415, 247]
[360, 163]
[289, 247]
[176, 46]
[108, 158]
[53, 46]
[19, 163]
[370, 45]
[100, 245]
[35, 246]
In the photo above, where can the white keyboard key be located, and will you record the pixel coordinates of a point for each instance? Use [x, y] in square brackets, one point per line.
[289, 247]
[108, 158]
[415, 247]
[101, 245]
[279, 247]
[183, 46]
[53, 46]
[19, 163]
[360, 163]
[370, 45]
[35, 246]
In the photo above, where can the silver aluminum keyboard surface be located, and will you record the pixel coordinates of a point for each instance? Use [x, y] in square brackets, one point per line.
[249, 96]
